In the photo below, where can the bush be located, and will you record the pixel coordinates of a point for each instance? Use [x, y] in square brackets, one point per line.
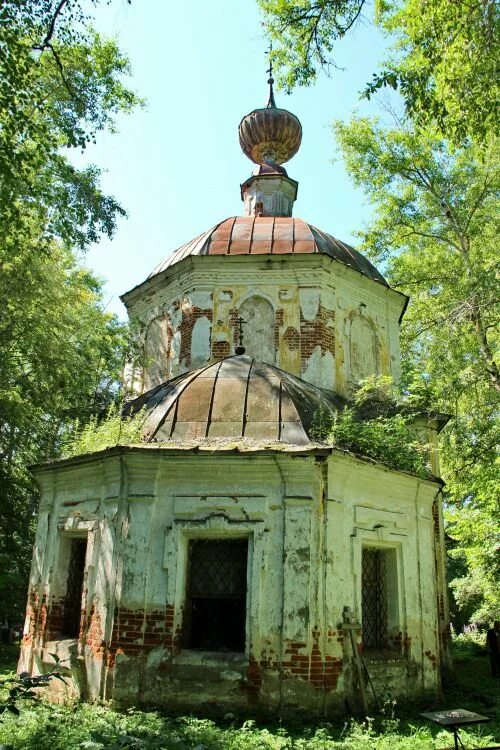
[378, 425]
[87, 727]
[100, 433]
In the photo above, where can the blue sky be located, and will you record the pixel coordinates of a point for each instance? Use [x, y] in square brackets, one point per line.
[176, 166]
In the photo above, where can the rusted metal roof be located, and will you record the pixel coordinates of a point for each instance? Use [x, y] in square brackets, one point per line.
[237, 398]
[262, 235]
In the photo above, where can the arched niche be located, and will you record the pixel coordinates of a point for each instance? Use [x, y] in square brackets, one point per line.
[156, 353]
[363, 348]
[258, 328]
[200, 341]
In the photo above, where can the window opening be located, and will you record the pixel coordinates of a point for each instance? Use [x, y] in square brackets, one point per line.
[74, 588]
[374, 598]
[216, 595]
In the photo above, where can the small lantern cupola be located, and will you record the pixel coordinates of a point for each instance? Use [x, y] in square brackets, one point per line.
[269, 137]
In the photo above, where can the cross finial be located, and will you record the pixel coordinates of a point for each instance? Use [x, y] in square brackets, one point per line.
[270, 80]
[240, 349]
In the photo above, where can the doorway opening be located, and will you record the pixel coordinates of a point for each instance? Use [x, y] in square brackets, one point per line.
[74, 589]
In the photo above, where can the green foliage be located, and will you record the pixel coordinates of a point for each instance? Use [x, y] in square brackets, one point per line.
[378, 425]
[443, 61]
[17, 689]
[469, 644]
[306, 32]
[79, 726]
[475, 591]
[445, 64]
[390, 440]
[435, 229]
[61, 356]
[60, 352]
[99, 433]
[95, 728]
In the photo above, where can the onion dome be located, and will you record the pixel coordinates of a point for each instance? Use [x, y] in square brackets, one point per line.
[236, 398]
[270, 134]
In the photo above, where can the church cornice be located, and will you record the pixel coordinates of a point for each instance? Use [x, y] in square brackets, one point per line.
[207, 453]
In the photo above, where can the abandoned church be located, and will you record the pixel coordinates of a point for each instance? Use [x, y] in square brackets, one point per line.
[230, 560]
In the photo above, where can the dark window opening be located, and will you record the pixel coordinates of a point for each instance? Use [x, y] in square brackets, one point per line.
[216, 595]
[74, 588]
[374, 598]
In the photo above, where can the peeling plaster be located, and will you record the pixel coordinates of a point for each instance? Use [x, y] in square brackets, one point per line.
[202, 299]
[319, 310]
[200, 342]
[309, 302]
[303, 558]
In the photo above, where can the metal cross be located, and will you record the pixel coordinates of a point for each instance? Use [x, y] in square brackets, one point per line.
[270, 68]
[240, 323]
[271, 102]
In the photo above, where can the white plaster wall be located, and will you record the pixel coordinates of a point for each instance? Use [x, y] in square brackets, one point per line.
[306, 519]
[258, 328]
[392, 510]
[296, 286]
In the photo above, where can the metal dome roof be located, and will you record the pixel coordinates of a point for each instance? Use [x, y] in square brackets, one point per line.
[258, 235]
[270, 134]
[237, 398]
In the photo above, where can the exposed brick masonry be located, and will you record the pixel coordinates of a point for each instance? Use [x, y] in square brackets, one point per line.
[292, 338]
[315, 333]
[189, 317]
[321, 672]
[135, 631]
[45, 619]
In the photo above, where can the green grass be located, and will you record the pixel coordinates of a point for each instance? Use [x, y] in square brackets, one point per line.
[95, 727]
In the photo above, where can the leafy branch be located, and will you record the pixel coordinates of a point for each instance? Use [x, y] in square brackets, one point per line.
[22, 687]
[379, 424]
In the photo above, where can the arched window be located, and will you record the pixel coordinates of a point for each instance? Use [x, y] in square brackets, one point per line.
[363, 348]
[258, 329]
[156, 353]
[200, 342]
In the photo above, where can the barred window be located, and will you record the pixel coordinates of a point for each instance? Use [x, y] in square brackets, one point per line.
[374, 597]
[74, 588]
[216, 595]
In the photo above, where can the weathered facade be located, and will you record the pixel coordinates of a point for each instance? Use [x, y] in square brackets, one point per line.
[210, 566]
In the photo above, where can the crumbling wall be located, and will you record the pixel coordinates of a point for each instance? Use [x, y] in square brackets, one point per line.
[312, 317]
[306, 520]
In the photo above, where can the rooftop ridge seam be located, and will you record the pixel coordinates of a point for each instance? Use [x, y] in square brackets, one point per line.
[212, 397]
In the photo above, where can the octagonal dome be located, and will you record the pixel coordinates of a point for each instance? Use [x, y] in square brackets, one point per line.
[259, 235]
[237, 398]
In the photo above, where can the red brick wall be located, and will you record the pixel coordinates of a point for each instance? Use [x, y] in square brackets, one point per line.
[45, 618]
[189, 317]
[315, 333]
[221, 349]
[321, 672]
[135, 631]
[94, 635]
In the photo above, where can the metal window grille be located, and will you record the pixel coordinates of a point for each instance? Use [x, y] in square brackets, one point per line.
[216, 606]
[374, 598]
[74, 588]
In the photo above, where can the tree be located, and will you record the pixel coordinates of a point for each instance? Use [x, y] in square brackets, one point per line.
[444, 54]
[60, 352]
[58, 89]
[435, 228]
